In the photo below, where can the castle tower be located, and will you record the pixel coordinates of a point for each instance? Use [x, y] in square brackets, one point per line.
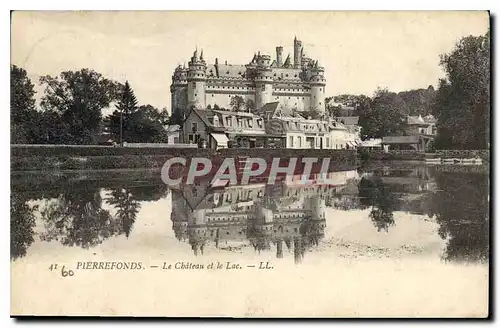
[279, 249]
[318, 83]
[196, 81]
[297, 53]
[197, 230]
[279, 56]
[263, 81]
[317, 206]
[178, 89]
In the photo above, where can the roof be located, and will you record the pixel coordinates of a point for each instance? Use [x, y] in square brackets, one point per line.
[231, 71]
[269, 109]
[205, 115]
[172, 128]
[400, 140]
[232, 113]
[348, 120]
[419, 120]
[371, 143]
[430, 119]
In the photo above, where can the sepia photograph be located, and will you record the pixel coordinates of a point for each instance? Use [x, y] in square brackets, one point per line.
[250, 164]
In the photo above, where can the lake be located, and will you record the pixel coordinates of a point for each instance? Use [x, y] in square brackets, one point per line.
[388, 240]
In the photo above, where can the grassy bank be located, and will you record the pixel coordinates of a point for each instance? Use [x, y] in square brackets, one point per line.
[59, 158]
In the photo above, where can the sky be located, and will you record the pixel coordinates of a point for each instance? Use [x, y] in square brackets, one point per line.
[359, 50]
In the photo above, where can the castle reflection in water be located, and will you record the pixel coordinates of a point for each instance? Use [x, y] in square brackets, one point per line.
[289, 214]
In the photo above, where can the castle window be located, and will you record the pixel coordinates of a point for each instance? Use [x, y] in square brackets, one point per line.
[287, 75]
[195, 94]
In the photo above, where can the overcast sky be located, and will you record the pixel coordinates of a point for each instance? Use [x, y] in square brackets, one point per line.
[359, 50]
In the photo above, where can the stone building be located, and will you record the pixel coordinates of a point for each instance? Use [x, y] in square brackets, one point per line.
[297, 82]
[264, 217]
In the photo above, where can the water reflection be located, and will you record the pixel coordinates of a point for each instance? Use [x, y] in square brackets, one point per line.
[267, 216]
[286, 218]
[22, 224]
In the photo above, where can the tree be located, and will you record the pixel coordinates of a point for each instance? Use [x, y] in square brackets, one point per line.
[462, 106]
[121, 124]
[144, 124]
[418, 102]
[250, 105]
[22, 105]
[78, 98]
[237, 103]
[383, 116]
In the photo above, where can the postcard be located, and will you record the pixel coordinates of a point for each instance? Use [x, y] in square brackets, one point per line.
[242, 164]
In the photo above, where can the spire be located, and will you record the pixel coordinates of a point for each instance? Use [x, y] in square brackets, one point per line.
[195, 54]
[201, 55]
[254, 58]
[287, 61]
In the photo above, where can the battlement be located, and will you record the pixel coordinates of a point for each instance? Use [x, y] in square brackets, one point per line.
[294, 80]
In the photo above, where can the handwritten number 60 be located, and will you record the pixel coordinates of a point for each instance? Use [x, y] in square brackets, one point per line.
[65, 273]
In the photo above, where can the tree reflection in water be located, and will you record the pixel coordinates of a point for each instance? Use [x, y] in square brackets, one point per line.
[377, 195]
[22, 224]
[461, 207]
[127, 208]
[77, 219]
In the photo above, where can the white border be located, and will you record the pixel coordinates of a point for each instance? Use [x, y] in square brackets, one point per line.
[185, 5]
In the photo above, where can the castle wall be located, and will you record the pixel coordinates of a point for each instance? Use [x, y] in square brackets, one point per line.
[196, 94]
[318, 98]
[179, 97]
[283, 74]
[263, 94]
[298, 101]
[224, 99]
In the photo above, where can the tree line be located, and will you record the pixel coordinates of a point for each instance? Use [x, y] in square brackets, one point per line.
[70, 110]
[461, 103]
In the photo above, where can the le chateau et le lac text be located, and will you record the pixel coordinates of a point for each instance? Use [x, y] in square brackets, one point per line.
[214, 265]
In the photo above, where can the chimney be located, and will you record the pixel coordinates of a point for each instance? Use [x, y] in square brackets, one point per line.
[279, 56]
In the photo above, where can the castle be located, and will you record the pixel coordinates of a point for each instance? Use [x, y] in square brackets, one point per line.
[263, 216]
[298, 85]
